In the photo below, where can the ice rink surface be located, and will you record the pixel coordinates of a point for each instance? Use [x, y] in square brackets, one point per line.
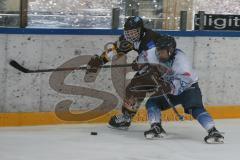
[74, 142]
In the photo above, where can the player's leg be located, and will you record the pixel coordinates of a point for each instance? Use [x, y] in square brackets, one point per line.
[130, 106]
[206, 121]
[192, 103]
[154, 107]
[129, 109]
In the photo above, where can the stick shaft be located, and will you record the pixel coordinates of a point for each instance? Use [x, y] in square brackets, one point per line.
[78, 68]
[168, 100]
[19, 67]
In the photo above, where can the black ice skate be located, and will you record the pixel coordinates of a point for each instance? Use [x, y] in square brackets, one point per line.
[156, 131]
[120, 122]
[214, 137]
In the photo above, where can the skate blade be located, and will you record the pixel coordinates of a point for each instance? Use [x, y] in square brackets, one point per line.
[215, 141]
[119, 128]
[152, 136]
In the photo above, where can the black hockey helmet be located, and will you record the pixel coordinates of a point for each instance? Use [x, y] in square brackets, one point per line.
[133, 29]
[133, 23]
[166, 42]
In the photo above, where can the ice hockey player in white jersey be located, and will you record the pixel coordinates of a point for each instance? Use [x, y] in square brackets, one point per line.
[185, 91]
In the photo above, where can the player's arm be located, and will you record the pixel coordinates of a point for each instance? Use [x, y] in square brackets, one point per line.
[113, 51]
[116, 50]
[147, 57]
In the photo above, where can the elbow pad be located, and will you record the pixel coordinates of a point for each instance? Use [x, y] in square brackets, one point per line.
[124, 46]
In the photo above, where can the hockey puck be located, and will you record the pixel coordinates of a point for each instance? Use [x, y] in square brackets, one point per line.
[94, 133]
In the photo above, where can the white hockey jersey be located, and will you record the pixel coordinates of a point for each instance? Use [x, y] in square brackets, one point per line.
[180, 74]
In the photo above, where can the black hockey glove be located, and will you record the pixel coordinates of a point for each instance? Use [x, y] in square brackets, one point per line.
[135, 65]
[94, 64]
[93, 68]
[142, 67]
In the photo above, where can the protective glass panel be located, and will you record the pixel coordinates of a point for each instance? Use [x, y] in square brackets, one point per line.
[71, 13]
[9, 13]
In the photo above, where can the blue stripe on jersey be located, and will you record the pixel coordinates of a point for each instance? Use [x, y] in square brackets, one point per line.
[151, 44]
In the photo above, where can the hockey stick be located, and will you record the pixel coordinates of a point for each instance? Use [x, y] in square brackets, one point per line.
[19, 67]
[181, 117]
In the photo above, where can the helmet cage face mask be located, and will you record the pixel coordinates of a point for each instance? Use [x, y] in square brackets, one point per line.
[132, 35]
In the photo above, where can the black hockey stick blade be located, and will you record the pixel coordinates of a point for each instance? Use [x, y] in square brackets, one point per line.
[19, 67]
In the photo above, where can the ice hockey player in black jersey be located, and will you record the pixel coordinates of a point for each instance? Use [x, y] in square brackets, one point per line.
[136, 37]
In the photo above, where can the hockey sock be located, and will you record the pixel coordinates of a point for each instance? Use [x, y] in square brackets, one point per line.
[203, 117]
[154, 112]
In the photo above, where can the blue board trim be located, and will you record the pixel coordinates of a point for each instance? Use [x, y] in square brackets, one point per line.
[46, 31]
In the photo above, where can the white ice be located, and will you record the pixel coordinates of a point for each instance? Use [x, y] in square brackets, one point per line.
[74, 142]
